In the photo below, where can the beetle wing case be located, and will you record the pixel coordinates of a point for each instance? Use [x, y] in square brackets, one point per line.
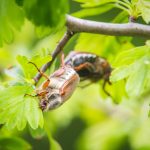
[66, 83]
[60, 88]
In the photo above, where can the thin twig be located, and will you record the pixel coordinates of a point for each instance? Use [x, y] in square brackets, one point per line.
[67, 36]
[127, 29]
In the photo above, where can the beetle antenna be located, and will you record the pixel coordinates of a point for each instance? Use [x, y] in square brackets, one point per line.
[42, 73]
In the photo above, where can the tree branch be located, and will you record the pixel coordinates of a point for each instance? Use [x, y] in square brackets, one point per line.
[67, 36]
[129, 29]
[76, 25]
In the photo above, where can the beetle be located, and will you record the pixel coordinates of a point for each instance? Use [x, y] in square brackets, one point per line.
[58, 87]
[90, 66]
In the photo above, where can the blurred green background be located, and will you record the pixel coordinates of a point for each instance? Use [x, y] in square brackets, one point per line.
[89, 120]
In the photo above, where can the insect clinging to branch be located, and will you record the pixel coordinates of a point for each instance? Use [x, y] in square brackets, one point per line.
[58, 87]
[90, 66]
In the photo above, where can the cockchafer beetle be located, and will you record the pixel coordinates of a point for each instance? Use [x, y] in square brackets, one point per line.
[90, 66]
[58, 87]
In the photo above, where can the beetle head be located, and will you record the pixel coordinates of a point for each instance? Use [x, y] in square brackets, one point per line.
[51, 100]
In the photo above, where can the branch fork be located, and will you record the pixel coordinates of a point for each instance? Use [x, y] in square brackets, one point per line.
[76, 25]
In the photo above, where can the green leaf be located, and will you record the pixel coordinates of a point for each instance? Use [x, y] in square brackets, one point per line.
[121, 73]
[37, 133]
[32, 112]
[133, 65]
[85, 38]
[136, 8]
[11, 17]
[93, 11]
[136, 81]
[94, 3]
[47, 13]
[131, 55]
[29, 69]
[136, 74]
[13, 143]
[102, 45]
[18, 109]
[121, 17]
[144, 7]
[42, 31]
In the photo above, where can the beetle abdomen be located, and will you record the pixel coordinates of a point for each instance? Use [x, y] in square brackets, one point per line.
[88, 65]
[76, 58]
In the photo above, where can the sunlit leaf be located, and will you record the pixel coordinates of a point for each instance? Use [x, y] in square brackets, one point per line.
[101, 44]
[37, 133]
[13, 143]
[121, 17]
[93, 3]
[92, 11]
[46, 13]
[136, 74]
[28, 68]
[131, 55]
[17, 108]
[136, 81]
[121, 73]
[11, 17]
[144, 7]
[94, 47]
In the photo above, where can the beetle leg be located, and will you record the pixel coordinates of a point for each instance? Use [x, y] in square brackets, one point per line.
[104, 84]
[62, 60]
[85, 65]
[45, 84]
[42, 93]
[42, 73]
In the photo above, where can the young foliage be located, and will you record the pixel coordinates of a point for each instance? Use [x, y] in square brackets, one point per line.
[17, 108]
[86, 12]
[144, 7]
[29, 69]
[133, 65]
[94, 3]
[136, 8]
[45, 14]
[16, 105]
[91, 8]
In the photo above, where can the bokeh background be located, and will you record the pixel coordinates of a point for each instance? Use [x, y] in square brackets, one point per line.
[89, 120]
